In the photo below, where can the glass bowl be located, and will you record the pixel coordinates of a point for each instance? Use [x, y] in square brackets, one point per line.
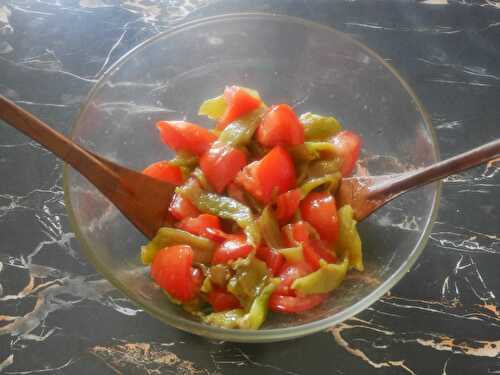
[287, 60]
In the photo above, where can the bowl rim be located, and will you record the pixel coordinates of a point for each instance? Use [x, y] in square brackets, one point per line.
[264, 335]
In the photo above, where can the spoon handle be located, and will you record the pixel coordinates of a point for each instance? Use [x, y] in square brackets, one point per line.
[437, 171]
[78, 157]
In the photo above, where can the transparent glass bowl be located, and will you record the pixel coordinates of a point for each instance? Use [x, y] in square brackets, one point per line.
[287, 60]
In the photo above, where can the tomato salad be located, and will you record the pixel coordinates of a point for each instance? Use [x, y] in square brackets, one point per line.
[253, 225]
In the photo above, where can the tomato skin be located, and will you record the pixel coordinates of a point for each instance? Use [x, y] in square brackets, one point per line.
[218, 235]
[273, 174]
[199, 225]
[314, 250]
[311, 256]
[231, 249]
[164, 171]
[181, 208]
[322, 249]
[347, 145]
[273, 258]
[291, 304]
[185, 136]
[287, 204]
[320, 210]
[221, 164]
[297, 233]
[280, 126]
[222, 300]
[172, 271]
[236, 192]
[290, 272]
[239, 103]
[196, 280]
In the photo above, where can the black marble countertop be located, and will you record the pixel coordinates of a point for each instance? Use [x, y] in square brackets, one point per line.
[57, 316]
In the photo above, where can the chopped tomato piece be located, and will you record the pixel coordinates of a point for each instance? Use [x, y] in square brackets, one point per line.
[236, 192]
[300, 233]
[273, 174]
[320, 210]
[185, 136]
[311, 256]
[273, 258]
[347, 145]
[164, 171]
[181, 207]
[222, 300]
[221, 164]
[290, 272]
[287, 204]
[291, 304]
[231, 249]
[218, 235]
[199, 225]
[196, 279]
[239, 102]
[296, 233]
[323, 250]
[172, 271]
[280, 126]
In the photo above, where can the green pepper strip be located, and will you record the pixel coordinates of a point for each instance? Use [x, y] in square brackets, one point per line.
[202, 247]
[225, 319]
[200, 176]
[184, 159]
[249, 277]
[269, 228]
[330, 181]
[293, 254]
[258, 310]
[225, 208]
[349, 243]
[240, 132]
[214, 108]
[319, 128]
[319, 168]
[327, 278]
[312, 150]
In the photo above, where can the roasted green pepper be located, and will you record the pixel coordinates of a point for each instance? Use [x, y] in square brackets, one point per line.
[225, 319]
[251, 320]
[214, 108]
[293, 254]
[250, 275]
[200, 176]
[327, 278]
[349, 243]
[225, 208]
[202, 247]
[258, 310]
[319, 128]
[330, 183]
[311, 151]
[269, 228]
[239, 133]
[319, 168]
[219, 274]
[184, 159]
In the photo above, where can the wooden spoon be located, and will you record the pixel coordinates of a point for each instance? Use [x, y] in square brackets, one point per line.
[145, 201]
[367, 194]
[142, 199]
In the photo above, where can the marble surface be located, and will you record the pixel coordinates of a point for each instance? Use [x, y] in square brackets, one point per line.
[57, 316]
